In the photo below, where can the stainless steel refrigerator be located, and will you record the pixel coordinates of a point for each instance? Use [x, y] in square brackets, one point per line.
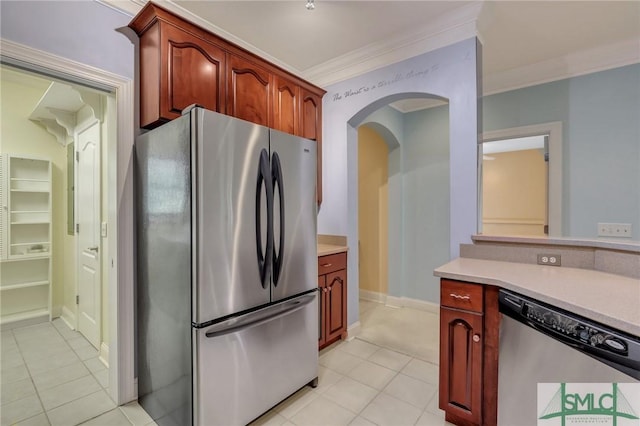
[227, 309]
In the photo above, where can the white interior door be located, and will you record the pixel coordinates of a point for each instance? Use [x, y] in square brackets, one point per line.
[89, 250]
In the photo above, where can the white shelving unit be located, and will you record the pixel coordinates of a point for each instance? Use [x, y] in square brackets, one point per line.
[25, 249]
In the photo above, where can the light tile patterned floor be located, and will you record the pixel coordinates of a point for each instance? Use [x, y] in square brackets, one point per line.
[51, 375]
[380, 378]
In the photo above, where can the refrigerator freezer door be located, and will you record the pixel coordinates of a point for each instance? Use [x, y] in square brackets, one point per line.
[295, 247]
[242, 374]
[227, 183]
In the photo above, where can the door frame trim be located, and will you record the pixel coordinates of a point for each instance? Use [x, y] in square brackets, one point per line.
[122, 388]
[554, 196]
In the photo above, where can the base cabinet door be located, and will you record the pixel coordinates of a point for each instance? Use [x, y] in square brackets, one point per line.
[332, 284]
[336, 309]
[461, 344]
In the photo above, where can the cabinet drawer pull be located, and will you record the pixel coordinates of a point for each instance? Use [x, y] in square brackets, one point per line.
[466, 297]
[326, 265]
[476, 338]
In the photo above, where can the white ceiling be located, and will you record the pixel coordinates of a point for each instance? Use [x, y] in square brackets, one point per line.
[524, 42]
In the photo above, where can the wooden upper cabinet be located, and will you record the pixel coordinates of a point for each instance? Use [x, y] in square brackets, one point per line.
[193, 73]
[177, 68]
[248, 91]
[183, 64]
[286, 105]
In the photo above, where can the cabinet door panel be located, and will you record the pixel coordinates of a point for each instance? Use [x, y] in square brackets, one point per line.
[249, 92]
[461, 363]
[286, 105]
[336, 283]
[194, 73]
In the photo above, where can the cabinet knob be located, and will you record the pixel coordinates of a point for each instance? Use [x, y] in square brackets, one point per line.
[326, 265]
[476, 338]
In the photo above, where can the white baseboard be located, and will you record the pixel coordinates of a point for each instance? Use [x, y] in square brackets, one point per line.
[406, 302]
[104, 354]
[353, 330]
[56, 311]
[68, 317]
[372, 296]
[399, 302]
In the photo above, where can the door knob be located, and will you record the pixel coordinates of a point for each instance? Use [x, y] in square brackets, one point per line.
[94, 248]
[476, 338]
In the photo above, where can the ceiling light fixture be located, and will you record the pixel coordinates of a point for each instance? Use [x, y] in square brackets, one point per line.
[310, 5]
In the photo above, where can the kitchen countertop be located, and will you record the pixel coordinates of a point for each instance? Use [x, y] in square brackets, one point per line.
[331, 244]
[325, 249]
[628, 246]
[610, 299]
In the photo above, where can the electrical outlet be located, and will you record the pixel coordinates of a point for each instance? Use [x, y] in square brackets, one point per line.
[622, 230]
[549, 259]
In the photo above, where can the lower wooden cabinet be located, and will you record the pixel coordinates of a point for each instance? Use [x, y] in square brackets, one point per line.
[332, 284]
[469, 327]
[461, 364]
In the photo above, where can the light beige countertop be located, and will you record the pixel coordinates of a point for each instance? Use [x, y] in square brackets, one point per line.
[613, 300]
[331, 244]
[326, 249]
[611, 244]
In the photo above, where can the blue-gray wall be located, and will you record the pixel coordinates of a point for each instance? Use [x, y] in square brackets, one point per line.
[425, 201]
[600, 115]
[448, 73]
[84, 31]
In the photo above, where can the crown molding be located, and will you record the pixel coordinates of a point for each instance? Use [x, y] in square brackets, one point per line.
[449, 28]
[126, 7]
[452, 27]
[583, 62]
[132, 7]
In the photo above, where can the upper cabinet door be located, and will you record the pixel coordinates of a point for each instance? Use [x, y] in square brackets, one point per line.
[311, 123]
[249, 92]
[177, 69]
[194, 73]
[286, 109]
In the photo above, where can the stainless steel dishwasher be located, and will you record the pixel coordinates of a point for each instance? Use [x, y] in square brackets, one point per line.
[540, 343]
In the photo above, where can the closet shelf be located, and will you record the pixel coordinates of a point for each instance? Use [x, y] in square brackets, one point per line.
[24, 285]
[26, 229]
[28, 180]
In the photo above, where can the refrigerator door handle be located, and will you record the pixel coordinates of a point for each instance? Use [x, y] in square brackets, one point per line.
[264, 178]
[253, 319]
[276, 174]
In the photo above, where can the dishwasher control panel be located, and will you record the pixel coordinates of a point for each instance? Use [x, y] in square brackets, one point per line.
[585, 333]
[602, 342]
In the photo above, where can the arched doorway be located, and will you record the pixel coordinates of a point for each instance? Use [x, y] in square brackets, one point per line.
[452, 73]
